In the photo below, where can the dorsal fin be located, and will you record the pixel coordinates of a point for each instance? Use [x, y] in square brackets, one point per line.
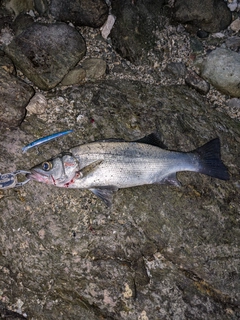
[154, 139]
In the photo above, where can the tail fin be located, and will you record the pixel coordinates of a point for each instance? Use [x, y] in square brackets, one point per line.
[210, 160]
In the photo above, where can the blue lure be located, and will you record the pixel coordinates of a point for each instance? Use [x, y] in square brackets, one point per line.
[45, 140]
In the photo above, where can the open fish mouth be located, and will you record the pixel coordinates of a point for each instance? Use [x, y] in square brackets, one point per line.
[34, 175]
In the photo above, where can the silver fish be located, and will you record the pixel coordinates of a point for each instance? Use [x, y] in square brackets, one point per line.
[105, 166]
[46, 139]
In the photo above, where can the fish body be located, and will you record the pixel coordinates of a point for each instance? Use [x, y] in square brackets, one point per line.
[45, 140]
[105, 166]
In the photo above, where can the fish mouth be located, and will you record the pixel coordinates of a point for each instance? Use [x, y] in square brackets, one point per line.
[34, 175]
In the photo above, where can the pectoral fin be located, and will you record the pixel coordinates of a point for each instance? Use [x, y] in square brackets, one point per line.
[105, 194]
[90, 168]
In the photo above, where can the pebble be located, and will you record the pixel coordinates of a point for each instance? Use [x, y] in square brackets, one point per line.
[95, 68]
[37, 105]
[222, 69]
[235, 25]
[194, 81]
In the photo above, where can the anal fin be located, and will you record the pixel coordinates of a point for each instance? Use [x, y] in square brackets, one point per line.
[171, 179]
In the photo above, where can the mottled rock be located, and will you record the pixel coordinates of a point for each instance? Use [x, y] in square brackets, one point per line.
[95, 68]
[222, 69]
[133, 32]
[176, 69]
[92, 13]
[14, 96]
[74, 76]
[46, 52]
[18, 6]
[209, 15]
[37, 105]
[160, 252]
[21, 22]
[194, 81]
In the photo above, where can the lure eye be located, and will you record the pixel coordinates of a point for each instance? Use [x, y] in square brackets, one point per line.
[47, 166]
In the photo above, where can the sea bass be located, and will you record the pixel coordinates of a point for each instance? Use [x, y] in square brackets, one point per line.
[105, 166]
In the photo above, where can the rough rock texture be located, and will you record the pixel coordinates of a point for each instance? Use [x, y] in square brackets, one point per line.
[92, 13]
[160, 252]
[14, 96]
[222, 69]
[209, 15]
[133, 32]
[46, 52]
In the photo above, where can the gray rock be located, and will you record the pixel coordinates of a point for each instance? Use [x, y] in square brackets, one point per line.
[92, 13]
[46, 52]
[209, 15]
[176, 70]
[160, 252]
[222, 69]
[19, 6]
[133, 32]
[21, 22]
[14, 96]
[41, 6]
[194, 81]
[74, 76]
[95, 68]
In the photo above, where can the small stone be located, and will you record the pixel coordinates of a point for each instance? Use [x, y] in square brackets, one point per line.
[74, 76]
[202, 34]
[108, 25]
[235, 25]
[95, 68]
[234, 103]
[194, 81]
[37, 104]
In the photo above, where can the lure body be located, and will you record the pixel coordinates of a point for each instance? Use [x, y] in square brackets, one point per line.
[45, 139]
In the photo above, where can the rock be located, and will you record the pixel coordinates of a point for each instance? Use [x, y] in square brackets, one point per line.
[91, 13]
[108, 25]
[18, 6]
[160, 252]
[74, 76]
[6, 63]
[194, 81]
[176, 70]
[95, 68]
[234, 103]
[14, 96]
[22, 21]
[41, 6]
[133, 32]
[233, 43]
[222, 69]
[37, 105]
[235, 25]
[209, 15]
[46, 52]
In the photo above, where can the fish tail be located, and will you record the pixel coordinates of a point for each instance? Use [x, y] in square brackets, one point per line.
[210, 162]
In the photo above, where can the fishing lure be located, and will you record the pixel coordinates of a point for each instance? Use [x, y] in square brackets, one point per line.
[45, 140]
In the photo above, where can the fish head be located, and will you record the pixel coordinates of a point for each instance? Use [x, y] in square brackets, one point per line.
[59, 171]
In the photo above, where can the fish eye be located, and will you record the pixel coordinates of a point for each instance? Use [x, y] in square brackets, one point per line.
[47, 166]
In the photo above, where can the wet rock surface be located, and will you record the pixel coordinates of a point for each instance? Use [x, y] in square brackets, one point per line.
[14, 97]
[46, 52]
[159, 252]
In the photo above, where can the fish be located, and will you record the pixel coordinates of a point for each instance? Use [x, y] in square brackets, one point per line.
[45, 140]
[105, 166]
